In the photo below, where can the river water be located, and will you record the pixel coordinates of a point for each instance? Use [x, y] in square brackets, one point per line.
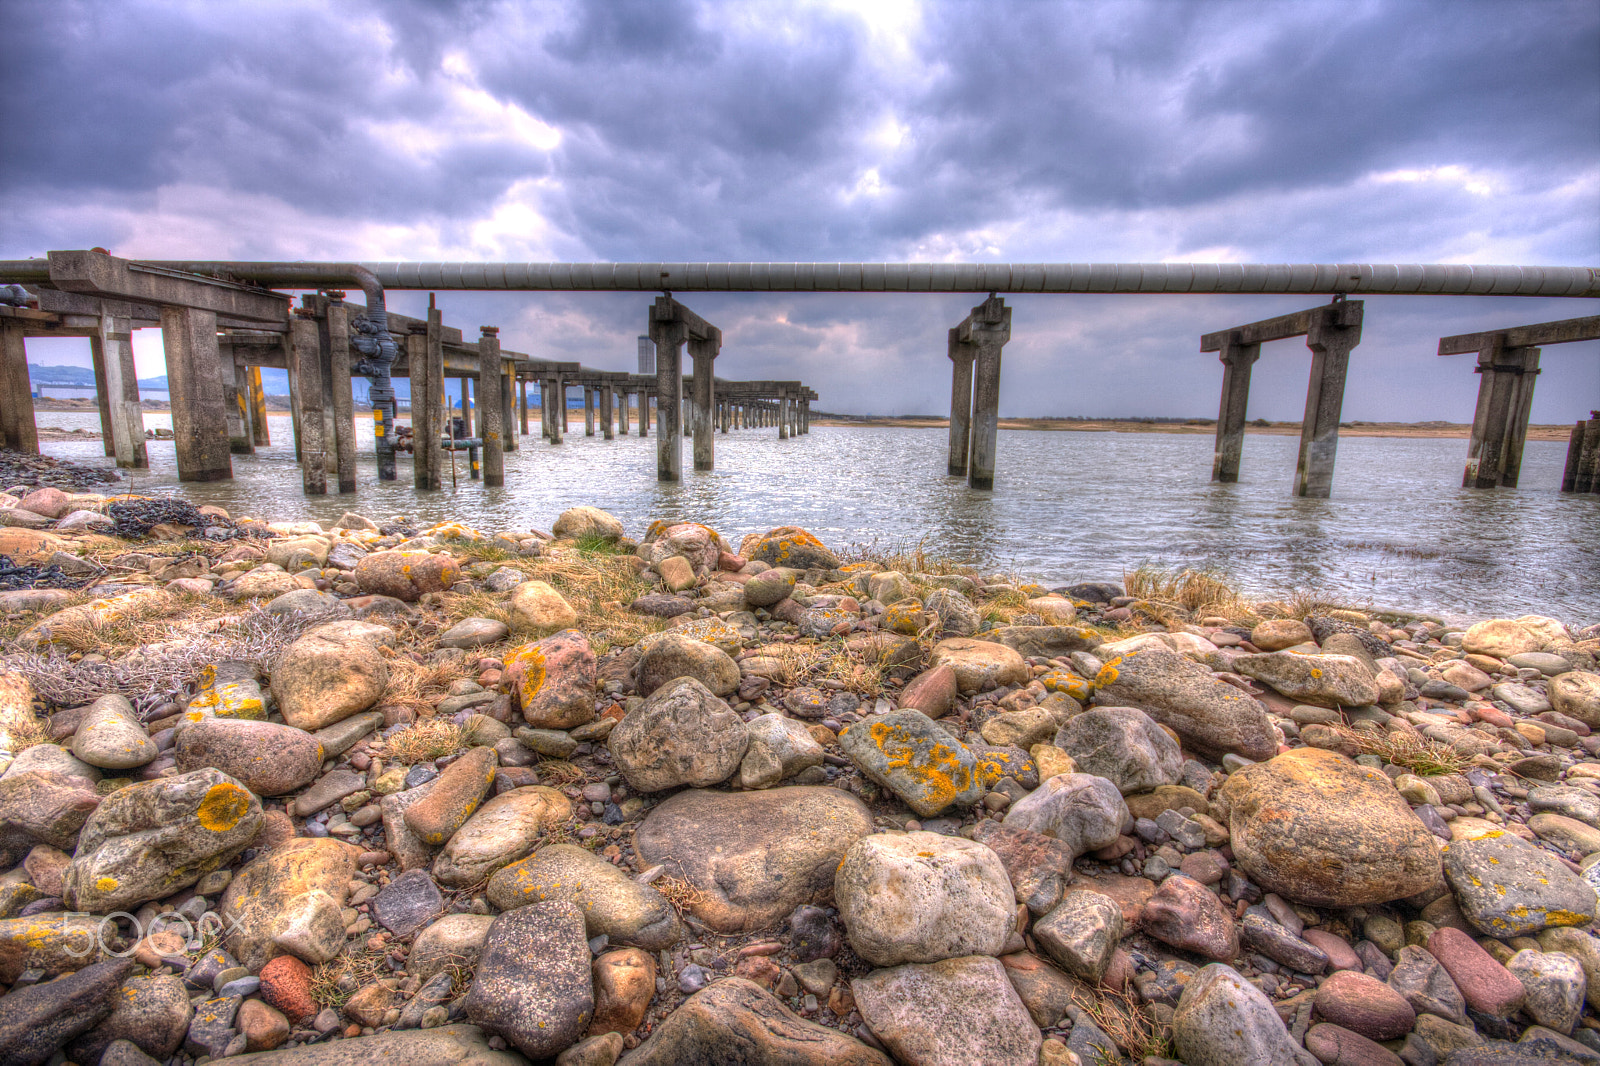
[1067, 507]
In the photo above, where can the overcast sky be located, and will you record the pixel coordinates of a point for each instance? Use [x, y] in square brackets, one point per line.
[1116, 130]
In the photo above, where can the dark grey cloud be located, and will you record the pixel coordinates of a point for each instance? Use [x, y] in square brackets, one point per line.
[1384, 130]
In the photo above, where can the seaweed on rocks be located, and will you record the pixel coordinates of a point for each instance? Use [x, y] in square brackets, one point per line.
[32, 576]
[44, 471]
[136, 517]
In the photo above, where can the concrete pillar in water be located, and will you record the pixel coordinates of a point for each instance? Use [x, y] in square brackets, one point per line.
[17, 428]
[294, 388]
[783, 416]
[305, 370]
[1569, 474]
[194, 378]
[260, 431]
[608, 419]
[491, 407]
[427, 404]
[522, 404]
[990, 330]
[469, 408]
[669, 337]
[961, 356]
[1500, 422]
[558, 407]
[115, 340]
[1237, 360]
[340, 391]
[644, 412]
[704, 354]
[509, 439]
[97, 359]
[588, 410]
[1588, 475]
[1330, 345]
[234, 402]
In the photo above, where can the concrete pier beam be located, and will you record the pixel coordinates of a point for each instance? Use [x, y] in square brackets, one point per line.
[491, 407]
[588, 410]
[987, 330]
[1330, 342]
[961, 356]
[17, 428]
[194, 378]
[305, 376]
[608, 421]
[1237, 360]
[260, 430]
[115, 341]
[340, 392]
[704, 353]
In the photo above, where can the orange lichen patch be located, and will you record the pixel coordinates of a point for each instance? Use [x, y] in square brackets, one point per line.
[526, 666]
[106, 884]
[1070, 684]
[1108, 673]
[906, 618]
[223, 806]
[934, 767]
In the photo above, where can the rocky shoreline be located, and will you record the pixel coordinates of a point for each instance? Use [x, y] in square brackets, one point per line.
[376, 793]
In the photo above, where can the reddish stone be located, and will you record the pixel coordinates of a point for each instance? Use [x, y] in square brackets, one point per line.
[624, 982]
[730, 562]
[1189, 916]
[1040, 867]
[758, 968]
[1486, 985]
[1485, 712]
[1364, 1005]
[1207, 867]
[932, 692]
[1338, 1046]
[1341, 956]
[1119, 972]
[286, 984]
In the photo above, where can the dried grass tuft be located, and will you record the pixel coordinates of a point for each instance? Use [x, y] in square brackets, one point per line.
[424, 741]
[557, 772]
[335, 981]
[1127, 1023]
[1424, 757]
[599, 587]
[419, 686]
[681, 894]
[1200, 591]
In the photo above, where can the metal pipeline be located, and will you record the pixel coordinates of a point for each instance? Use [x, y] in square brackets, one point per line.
[371, 337]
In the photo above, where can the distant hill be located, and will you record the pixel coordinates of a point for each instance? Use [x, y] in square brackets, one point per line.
[80, 377]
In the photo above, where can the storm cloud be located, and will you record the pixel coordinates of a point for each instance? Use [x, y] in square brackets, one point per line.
[1226, 130]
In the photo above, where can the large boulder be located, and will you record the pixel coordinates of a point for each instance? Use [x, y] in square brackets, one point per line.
[698, 545]
[1500, 638]
[37, 1019]
[916, 758]
[682, 735]
[1123, 745]
[268, 759]
[1082, 811]
[1224, 1020]
[753, 856]
[96, 613]
[148, 840]
[1316, 828]
[583, 521]
[1209, 715]
[326, 676]
[536, 605]
[612, 903]
[47, 805]
[290, 900]
[922, 897]
[406, 575]
[980, 664]
[949, 1013]
[533, 984]
[793, 547]
[502, 831]
[1577, 695]
[111, 738]
[1508, 887]
[736, 1021]
[675, 656]
[1321, 680]
[552, 680]
[779, 748]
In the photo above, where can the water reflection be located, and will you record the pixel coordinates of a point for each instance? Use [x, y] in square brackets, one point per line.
[1068, 507]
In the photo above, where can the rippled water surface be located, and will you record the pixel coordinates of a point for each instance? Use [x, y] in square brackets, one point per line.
[1068, 506]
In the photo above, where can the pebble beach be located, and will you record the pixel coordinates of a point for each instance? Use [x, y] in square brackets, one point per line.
[376, 790]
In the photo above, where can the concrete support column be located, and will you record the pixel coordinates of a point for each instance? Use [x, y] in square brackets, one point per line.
[1237, 360]
[563, 412]
[508, 412]
[704, 353]
[805, 415]
[469, 407]
[1330, 345]
[783, 416]
[1500, 422]
[1587, 474]
[558, 408]
[427, 402]
[305, 374]
[522, 403]
[669, 337]
[234, 403]
[97, 358]
[588, 410]
[961, 356]
[491, 407]
[339, 389]
[17, 428]
[260, 431]
[194, 378]
[287, 341]
[644, 412]
[608, 420]
[985, 411]
[115, 340]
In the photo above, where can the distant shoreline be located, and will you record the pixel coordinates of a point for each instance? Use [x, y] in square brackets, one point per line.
[1193, 427]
